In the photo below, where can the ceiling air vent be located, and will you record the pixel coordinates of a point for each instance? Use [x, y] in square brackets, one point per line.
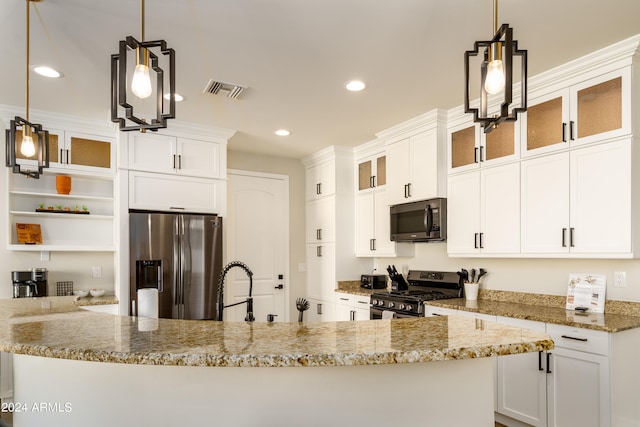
[231, 89]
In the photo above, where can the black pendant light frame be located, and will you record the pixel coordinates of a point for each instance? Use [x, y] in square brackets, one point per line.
[504, 35]
[42, 144]
[119, 86]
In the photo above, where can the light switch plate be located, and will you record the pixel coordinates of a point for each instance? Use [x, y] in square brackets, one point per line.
[96, 272]
[620, 279]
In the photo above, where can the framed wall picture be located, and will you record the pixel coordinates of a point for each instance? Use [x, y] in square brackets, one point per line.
[29, 234]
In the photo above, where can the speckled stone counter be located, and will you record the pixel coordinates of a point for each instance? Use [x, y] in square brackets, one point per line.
[63, 330]
[619, 315]
[353, 287]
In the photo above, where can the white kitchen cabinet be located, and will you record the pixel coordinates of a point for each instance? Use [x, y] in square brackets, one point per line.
[175, 155]
[373, 228]
[352, 307]
[320, 311]
[587, 111]
[432, 310]
[164, 192]
[578, 380]
[569, 218]
[415, 167]
[521, 381]
[470, 148]
[321, 221]
[372, 172]
[484, 211]
[321, 180]
[331, 254]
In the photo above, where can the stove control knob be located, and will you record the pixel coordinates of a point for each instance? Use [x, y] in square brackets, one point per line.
[401, 307]
[391, 305]
[374, 302]
[408, 307]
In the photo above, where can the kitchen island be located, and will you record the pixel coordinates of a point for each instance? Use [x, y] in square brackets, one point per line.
[86, 368]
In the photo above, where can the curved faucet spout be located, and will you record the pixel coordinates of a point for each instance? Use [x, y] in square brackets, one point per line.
[248, 301]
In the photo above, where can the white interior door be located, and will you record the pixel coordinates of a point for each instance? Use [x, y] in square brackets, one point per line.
[258, 235]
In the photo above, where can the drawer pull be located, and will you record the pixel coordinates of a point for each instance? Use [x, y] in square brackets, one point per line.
[344, 299]
[574, 338]
[436, 314]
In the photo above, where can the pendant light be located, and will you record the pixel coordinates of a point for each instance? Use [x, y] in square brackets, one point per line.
[24, 130]
[496, 76]
[141, 81]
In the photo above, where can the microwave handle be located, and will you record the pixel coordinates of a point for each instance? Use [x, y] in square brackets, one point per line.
[428, 219]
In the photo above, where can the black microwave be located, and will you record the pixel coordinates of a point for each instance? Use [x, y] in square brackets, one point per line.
[423, 221]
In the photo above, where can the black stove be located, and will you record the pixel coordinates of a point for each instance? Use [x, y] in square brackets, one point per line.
[422, 286]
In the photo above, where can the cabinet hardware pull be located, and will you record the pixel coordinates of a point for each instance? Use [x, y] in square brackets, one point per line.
[548, 363]
[574, 338]
[280, 286]
[319, 234]
[372, 244]
[436, 314]
[363, 302]
[409, 190]
[174, 161]
[319, 309]
[318, 251]
[319, 188]
[67, 156]
[540, 361]
[564, 239]
[571, 124]
[564, 132]
[481, 152]
[475, 155]
[481, 245]
[571, 242]
[375, 181]
[176, 207]
[405, 191]
[344, 299]
[352, 315]
[61, 159]
[179, 161]
[475, 240]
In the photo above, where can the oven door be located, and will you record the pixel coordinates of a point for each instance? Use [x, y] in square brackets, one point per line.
[376, 313]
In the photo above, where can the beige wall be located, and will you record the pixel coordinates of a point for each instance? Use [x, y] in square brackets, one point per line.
[294, 169]
[546, 276]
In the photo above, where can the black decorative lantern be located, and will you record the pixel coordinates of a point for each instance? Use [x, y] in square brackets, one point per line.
[141, 87]
[496, 76]
[28, 148]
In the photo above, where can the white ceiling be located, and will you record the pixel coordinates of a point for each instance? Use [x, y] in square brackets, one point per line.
[295, 56]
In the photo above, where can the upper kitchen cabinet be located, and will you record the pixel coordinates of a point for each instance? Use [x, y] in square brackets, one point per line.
[471, 148]
[587, 111]
[372, 172]
[416, 153]
[483, 212]
[589, 184]
[175, 155]
[78, 152]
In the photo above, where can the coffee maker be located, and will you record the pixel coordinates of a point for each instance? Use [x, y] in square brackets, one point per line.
[27, 284]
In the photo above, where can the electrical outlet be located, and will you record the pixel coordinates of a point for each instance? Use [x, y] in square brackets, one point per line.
[96, 272]
[620, 279]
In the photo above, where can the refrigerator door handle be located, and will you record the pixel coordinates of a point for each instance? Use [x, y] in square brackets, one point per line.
[176, 262]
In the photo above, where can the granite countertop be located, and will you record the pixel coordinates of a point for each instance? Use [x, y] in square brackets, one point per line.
[64, 330]
[353, 287]
[619, 315]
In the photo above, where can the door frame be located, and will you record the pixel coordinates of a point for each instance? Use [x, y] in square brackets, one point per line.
[285, 179]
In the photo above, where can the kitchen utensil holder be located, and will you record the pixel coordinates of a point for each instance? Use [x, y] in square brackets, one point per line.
[471, 290]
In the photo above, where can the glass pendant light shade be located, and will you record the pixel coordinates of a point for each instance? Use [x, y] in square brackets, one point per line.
[141, 82]
[495, 79]
[27, 148]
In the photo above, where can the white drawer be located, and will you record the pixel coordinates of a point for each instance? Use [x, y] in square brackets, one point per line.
[522, 323]
[579, 339]
[430, 310]
[361, 301]
[345, 299]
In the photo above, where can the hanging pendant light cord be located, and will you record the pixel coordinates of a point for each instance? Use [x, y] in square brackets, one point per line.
[27, 72]
[495, 16]
[142, 20]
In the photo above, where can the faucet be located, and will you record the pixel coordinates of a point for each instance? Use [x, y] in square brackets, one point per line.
[249, 301]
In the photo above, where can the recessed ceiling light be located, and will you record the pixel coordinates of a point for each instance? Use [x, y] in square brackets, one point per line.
[355, 85]
[282, 132]
[178, 97]
[43, 70]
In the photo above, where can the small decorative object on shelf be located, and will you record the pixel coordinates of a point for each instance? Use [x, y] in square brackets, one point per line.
[66, 209]
[29, 234]
[63, 184]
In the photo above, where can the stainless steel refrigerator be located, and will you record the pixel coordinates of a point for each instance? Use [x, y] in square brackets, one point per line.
[180, 255]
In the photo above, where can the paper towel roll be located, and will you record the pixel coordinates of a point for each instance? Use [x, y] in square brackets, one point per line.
[387, 314]
[148, 303]
[146, 324]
